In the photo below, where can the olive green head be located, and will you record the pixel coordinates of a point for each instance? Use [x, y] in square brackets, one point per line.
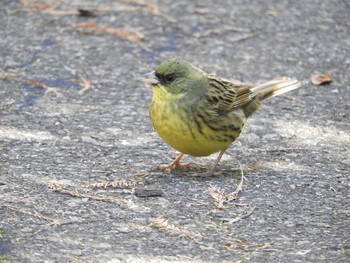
[176, 76]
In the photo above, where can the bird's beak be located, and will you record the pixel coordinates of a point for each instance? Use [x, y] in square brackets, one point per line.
[150, 78]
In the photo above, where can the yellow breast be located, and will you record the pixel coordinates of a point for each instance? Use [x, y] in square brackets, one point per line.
[178, 128]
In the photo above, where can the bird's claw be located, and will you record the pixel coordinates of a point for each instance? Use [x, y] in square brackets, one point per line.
[174, 165]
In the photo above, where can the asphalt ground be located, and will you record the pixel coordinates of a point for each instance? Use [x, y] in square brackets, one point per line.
[79, 158]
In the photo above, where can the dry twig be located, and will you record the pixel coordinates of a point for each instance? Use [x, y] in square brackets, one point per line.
[163, 225]
[220, 196]
[118, 182]
[234, 220]
[31, 82]
[48, 6]
[86, 86]
[134, 36]
[127, 204]
[75, 193]
[35, 214]
[248, 246]
[234, 195]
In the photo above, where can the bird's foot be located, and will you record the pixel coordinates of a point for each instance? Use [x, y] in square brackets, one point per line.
[174, 165]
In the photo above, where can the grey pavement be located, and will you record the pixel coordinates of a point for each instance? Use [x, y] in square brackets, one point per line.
[79, 176]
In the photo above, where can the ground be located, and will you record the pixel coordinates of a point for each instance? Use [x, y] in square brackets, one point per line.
[79, 158]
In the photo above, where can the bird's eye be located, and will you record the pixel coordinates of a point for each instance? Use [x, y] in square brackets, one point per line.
[169, 78]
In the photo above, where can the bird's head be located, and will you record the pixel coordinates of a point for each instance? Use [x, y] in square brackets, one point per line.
[176, 77]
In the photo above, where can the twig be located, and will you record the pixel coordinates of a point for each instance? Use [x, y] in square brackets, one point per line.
[32, 214]
[234, 220]
[134, 36]
[219, 195]
[217, 31]
[57, 187]
[86, 86]
[51, 221]
[101, 198]
[75, 193]
[279, 149]
[239, 188]
[31, 82]
[163, 225]
[118, 182]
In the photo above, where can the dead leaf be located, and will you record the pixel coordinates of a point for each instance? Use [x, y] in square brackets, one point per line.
[321, 79]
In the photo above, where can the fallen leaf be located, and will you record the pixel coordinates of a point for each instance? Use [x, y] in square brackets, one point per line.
[320, 79]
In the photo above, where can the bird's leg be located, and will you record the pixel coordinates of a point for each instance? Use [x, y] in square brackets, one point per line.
[175, 164]
[212, 168]
[210, 172]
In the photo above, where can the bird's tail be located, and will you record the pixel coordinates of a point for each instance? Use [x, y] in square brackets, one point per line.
[274, 88]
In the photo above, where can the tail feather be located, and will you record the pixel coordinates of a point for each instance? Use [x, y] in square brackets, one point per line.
[274, 88]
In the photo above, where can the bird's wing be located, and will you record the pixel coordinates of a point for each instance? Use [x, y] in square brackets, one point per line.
[225, 95]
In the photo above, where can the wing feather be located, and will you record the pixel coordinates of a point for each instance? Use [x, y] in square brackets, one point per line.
[225, 95]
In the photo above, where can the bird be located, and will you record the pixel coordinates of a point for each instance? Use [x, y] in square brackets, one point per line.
[200, 114]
